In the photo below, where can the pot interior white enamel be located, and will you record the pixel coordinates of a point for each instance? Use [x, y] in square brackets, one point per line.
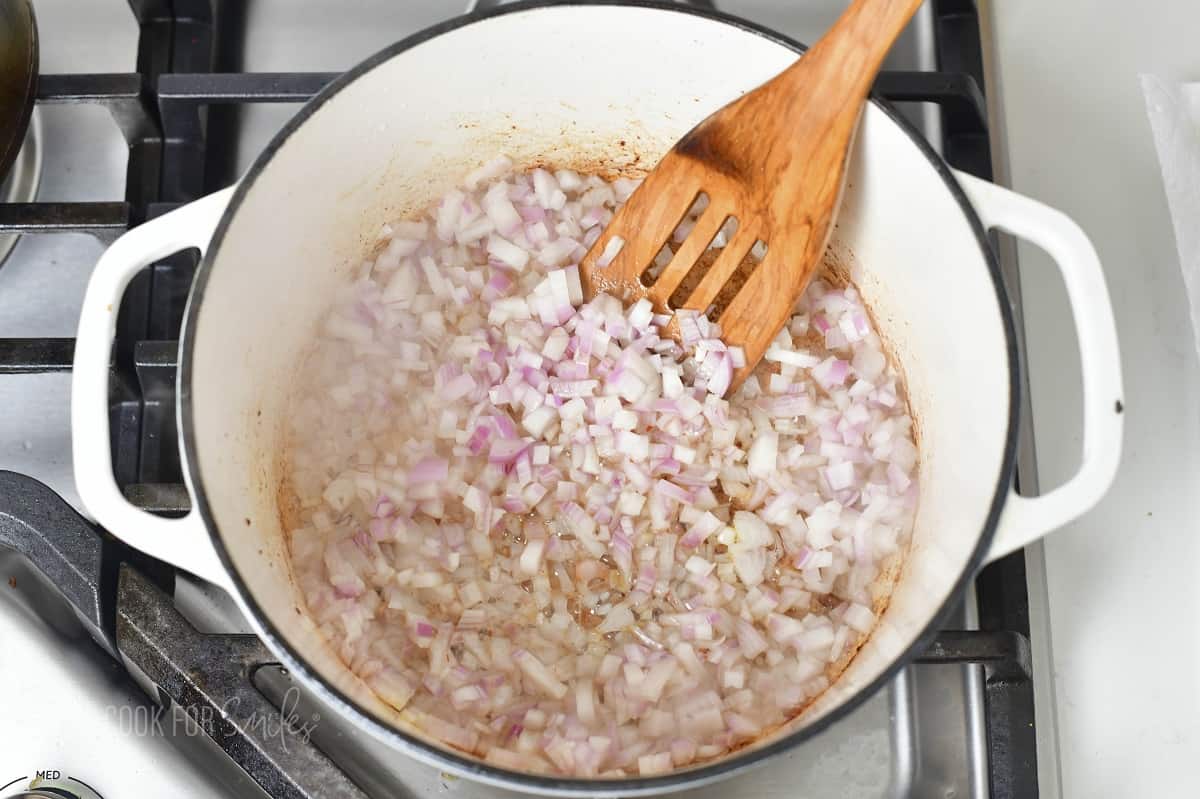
[594, 86]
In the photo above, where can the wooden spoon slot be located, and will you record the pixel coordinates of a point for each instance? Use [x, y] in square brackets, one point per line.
[740, 278]
[713, 248]
[683, 229]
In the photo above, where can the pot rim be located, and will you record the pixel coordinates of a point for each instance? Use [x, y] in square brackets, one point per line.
[472, 766]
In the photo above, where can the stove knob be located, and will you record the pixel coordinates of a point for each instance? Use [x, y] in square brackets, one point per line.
[50, 785]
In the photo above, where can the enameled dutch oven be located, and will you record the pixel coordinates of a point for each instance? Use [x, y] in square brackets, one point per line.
[586, 86]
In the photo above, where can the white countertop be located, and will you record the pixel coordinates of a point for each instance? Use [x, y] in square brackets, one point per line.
[1124, 581]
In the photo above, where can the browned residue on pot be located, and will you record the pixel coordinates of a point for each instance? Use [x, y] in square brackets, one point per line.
[288, 503]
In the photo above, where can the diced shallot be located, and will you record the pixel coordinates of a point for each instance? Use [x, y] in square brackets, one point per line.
[533, 521]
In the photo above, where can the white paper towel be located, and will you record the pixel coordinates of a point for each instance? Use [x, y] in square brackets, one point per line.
[1174, 110]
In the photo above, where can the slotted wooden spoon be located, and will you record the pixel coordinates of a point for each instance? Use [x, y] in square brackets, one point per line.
[775, 161]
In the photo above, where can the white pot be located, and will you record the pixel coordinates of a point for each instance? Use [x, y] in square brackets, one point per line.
[578, 86]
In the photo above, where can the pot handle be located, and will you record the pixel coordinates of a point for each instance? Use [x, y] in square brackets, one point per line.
[1026, 519]
[183, 542]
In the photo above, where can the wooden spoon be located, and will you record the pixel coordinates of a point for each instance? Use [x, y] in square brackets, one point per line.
[775, 161]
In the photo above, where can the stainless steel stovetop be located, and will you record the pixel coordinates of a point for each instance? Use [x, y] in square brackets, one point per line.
[71, 707]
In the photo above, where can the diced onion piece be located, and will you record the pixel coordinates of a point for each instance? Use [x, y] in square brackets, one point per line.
[860, 618]
[537, 420]
[585, 705]
[610, 251]
[538, 674]
[507, 253]
[392, 688]
[531, 558]
[763, 454]
[658, 763]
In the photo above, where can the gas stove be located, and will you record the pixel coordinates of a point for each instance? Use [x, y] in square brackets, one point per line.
[122, 677]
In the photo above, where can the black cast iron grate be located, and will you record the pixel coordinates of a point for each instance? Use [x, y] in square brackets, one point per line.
[169, 111]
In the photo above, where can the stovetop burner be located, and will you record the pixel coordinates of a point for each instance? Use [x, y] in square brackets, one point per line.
[960, 723]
